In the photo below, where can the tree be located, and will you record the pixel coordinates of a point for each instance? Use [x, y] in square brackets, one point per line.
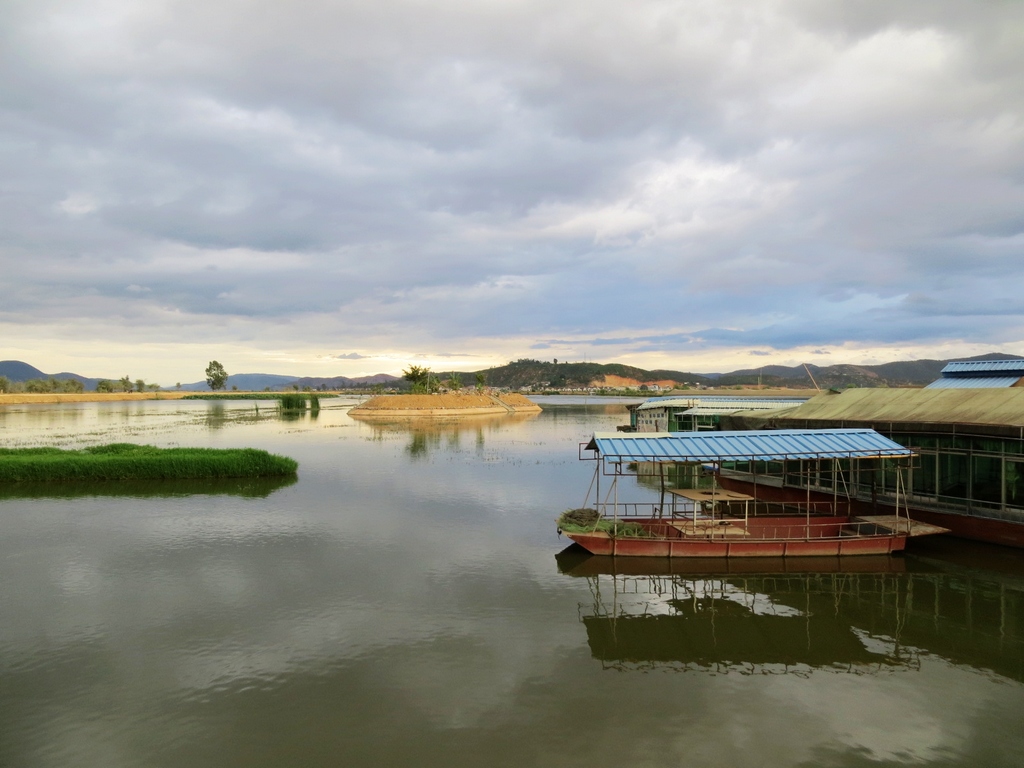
[126, 384]
[422, 379]
[5, 384]
[216, 376]
[481, 380]
[454, 382]
[415, 374]
[104, 386]
[140, 385]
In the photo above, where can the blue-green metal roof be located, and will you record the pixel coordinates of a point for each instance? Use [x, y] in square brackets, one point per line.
[974, 382]
[984, 368]
[759, 445]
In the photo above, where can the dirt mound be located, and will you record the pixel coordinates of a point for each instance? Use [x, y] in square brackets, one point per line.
[517, 401]
[424, 402]
[452, 404]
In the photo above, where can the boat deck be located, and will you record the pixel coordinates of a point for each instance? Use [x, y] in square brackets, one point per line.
[901, 525]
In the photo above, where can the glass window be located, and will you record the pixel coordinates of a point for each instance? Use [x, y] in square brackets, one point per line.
[987, 479]
[924, 474]
[953, 474]
[1015, 483]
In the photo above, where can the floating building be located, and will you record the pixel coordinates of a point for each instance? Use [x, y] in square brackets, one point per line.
[967, 429]
[968, 435]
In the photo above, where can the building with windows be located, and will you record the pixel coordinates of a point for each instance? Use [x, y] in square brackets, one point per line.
[697, 412]
[968, 474]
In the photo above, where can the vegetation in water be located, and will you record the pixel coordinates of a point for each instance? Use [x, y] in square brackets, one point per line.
[588, 520]
[127, 461]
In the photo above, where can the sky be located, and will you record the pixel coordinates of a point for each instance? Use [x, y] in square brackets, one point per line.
[333, 188]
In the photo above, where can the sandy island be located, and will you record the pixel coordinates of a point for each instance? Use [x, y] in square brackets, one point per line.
[444, 405]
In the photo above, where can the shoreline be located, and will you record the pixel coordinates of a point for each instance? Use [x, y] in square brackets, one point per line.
[28, 398]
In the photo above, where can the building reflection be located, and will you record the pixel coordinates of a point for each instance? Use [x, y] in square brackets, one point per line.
[861, 615]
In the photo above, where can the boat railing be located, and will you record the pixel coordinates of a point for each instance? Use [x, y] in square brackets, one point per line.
[723, 510]
[780, 522]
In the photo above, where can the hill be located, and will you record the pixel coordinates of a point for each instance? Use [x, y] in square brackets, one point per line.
[247, 382]
[527, 373]
[17, 371]
[910, 373]
[344, 382]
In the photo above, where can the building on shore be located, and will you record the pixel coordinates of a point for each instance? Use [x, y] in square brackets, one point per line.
[699, 412]
[967, 430]
[968, 475]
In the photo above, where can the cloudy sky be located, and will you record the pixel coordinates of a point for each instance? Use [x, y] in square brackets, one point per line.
[329, 187]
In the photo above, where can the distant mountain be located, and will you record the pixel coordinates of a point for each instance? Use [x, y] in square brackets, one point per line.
[528, 373]
[246, 382]
[17, 371]
[257, 382]
[344, 382]
[910, 373]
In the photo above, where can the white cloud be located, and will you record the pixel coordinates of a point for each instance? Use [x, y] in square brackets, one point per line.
[479, 177]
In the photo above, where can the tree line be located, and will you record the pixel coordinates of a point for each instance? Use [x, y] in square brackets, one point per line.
[425, 381]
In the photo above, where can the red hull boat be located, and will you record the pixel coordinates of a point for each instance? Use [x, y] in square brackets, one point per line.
[715, 522]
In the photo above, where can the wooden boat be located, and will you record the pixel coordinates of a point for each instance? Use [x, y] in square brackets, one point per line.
[716, 522]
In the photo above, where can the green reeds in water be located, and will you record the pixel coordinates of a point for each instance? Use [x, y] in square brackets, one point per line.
[587, 520]
[126, 461]
[293, 402]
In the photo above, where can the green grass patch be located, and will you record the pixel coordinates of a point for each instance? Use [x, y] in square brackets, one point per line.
[127, 461]
[588, 520]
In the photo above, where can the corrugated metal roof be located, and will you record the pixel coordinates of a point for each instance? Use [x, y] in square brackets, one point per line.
[768, 445]
[974, 382]
[997, 407]
[980, 367]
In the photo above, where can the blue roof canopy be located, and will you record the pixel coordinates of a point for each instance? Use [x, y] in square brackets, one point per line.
[974, 382]
[984, 368]
[763, 445]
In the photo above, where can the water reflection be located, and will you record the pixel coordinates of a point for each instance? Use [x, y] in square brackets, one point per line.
[428, 434]
[245, 487]
[855, 615]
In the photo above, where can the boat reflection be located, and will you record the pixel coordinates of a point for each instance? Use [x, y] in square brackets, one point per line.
[862, 615]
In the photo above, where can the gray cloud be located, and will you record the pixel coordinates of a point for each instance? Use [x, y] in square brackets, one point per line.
[457, 175]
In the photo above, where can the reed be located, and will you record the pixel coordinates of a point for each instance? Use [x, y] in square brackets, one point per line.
[294, 402]
[126, 461]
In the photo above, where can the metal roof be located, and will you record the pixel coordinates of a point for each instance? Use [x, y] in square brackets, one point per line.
[984, 367]
[974, 382]
[1000, 407]
[767, 445]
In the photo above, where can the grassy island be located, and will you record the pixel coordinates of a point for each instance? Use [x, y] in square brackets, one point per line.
[126, 461]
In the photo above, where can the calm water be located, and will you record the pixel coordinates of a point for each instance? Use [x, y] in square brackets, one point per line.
[402, 604]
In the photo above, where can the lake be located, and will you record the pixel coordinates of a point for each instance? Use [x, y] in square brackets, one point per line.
[407, 601]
